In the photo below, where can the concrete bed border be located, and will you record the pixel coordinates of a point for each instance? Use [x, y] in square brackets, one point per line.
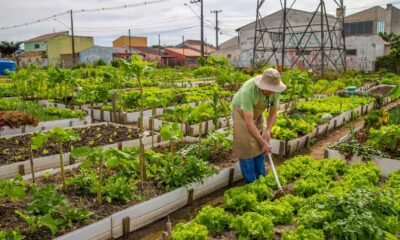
[123, 222]
[50, 162]
[7, 131]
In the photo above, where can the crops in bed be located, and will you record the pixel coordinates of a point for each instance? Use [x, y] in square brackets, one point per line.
[308, 114]
[162, 98]
[107, 181]
[328, 200]
[14, 149]
[15, 113]
[379, 138]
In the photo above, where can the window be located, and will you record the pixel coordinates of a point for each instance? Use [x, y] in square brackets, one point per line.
[359, 28]
[277, 36]
[301, 52]
[380, 27]
[36, 46]
[351, 52]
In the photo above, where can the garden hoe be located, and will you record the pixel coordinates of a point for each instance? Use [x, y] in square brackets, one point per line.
[281, 192]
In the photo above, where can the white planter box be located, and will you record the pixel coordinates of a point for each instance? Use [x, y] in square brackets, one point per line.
[386, 165]
[7, 131]
[50, 162]
[289, 147]
[188, 130]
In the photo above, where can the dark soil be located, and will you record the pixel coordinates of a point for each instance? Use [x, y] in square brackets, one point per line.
[10, 220]
[15, 149]
[385, 90]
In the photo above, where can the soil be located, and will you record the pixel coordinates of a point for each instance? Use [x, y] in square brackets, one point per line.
[384, 90]
[15, 149]
[145, 190]
[317, 151]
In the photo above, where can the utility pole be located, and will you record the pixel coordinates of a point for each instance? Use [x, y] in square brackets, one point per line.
[201, 24]
[73, 39]
[216, 27]
[159, 45]
[183, 45]
[129, 43]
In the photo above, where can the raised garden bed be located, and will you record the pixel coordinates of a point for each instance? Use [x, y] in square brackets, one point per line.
[116, 218]
[14, 156]
[324, 199]
[378, 141]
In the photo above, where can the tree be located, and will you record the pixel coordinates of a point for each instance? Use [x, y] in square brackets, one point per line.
[394, 57]
[9, 48]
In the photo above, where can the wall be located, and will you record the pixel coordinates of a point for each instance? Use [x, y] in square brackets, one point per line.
[135, 42]
[93, 54]
[179, 58]
[63, 45]
[368, 49]
[30, 47]
[295, 18]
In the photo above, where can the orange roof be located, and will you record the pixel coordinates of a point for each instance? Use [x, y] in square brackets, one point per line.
[188, 52]
[47, 36]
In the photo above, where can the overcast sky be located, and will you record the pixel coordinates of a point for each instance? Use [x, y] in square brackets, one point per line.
[171, 19]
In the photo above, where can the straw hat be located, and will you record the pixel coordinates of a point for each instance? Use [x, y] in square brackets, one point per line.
[270, 80]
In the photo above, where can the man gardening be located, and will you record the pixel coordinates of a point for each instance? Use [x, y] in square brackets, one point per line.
[251, 138]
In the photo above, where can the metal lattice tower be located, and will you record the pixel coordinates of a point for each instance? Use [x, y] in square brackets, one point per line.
[317, 42]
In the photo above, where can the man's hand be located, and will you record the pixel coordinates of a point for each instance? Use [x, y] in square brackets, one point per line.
[266, 148]
[266, 135]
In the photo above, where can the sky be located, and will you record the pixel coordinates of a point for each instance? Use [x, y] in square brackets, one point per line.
[172, 19]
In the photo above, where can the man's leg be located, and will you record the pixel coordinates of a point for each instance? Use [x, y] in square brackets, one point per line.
[259, 166]
[247, 169]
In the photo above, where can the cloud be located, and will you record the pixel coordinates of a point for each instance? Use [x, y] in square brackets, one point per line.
[171, 18]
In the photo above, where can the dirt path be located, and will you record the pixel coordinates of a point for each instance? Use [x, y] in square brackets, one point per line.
[153, 231]
[317, 150]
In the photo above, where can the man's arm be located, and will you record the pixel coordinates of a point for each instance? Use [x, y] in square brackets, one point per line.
[248, 118]
[270, 122]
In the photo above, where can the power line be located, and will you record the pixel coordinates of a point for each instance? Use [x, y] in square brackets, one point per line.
[83, 11]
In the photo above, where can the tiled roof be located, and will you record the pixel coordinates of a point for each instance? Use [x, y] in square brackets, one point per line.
[46, 36]
[188, 52]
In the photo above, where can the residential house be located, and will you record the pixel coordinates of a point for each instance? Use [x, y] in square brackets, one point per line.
[55, 45]
[196, 45]
[183, 56]
[107, 54]
[362, 30]
[123, 41]
[155, 55]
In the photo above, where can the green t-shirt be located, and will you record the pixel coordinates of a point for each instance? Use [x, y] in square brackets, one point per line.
[249, 95]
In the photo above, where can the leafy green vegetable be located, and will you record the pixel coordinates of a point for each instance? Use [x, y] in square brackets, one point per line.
[253, 226]
[215, 219]
[190, 231]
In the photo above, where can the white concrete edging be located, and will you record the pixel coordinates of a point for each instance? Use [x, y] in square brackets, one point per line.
[7, 131]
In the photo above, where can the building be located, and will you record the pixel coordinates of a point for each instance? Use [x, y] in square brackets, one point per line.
[28, 58]
[231, 50]
[156, 55]
[107, 54]
[123, 41]
[183, 56]
[363, 43]
[299, 20]
[196, 45]
[52, 46]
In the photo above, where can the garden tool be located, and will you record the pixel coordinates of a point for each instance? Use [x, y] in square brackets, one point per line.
[281, 192]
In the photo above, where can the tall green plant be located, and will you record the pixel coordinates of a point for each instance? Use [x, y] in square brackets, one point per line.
[172, 133]
[136, 69]
[60, 136]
